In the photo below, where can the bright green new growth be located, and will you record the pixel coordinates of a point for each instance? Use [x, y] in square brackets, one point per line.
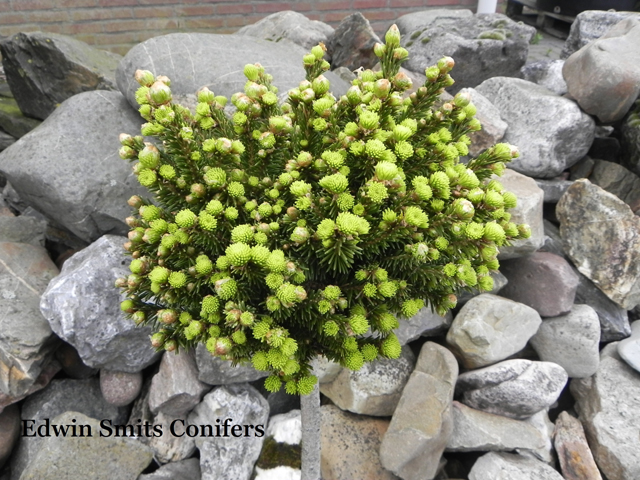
[289, 231]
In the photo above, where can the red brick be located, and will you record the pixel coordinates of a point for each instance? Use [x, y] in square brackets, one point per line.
[34, 5]
[100, 14]
[54, 28]
[234, 9]
[4, 6]
[241, 21]
[13, 18]
[380, 15]
[445, 2]
[86, 38]
[90, 27]
[76, 3]
[200, 23]
[407, 3]
[120, 49]
[117, 3]
[156, 2]
[332, 5]
[48, 17]
[154, 12]
[13, 29]
[272, 7]
[334, 17]
[195, 10]
[367, 4]
[117, 38]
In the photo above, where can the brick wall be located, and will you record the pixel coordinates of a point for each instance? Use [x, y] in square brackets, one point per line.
[117, 25]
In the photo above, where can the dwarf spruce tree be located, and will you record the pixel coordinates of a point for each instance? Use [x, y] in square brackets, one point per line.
[288, 231]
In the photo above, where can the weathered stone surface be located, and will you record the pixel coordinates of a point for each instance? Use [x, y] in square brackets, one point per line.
[9, 431]
[195, 60]
[83, 308]
[616, 179]
[424, 323]
[514, 388]
[120, 388]
[571, 340]
[604, 76]
[614, 322]
[629, 348]
[188, 469]
[325, 369]
[6, 140]
[60, 396]
[418, 20]
[175, 389]
[173, 445]
[553, 188]
[375, 389]
[289, 25]
[44, 69]
[483, 46]
[422, 423]
[591, 25]
[489, 329]
[13, 121]
[231, 456]
[26, 340]
[22, 229]
[493, 127]
[575, 457]
[281, 453]
[608, 403]
[360, 436]
[69, 169]
[508, 466]
[543, 281]
[602, 237]
[630, 140]
[477, 431]
[48, 372]
[546, 149]
[215, 371]
[351, 45]
[528, 210]
[547, 73]
[96, 457]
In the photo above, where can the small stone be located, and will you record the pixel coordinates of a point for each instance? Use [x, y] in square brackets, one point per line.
[493, 127]
[489, 329]
[188, 469]
[230, 456]
[546, 149]
[83, 308]
[9, 431]
[26, 339]
[572, 341]
[291, 26]
[48, 372]
[528, 210]
[629, 348]
[173, 445]
[547, 73]
[120, 388]
[602, 237]
[175, 389]
[351, 45]
[574, 455]
[477, 431]
[424, 323]
[514, 388]
[499, 466]
[422, 423]
[357, 434]
[543, 281]
[604, 76]
[215, 371]
[553, 188]
[375, 389]
[105, 458]
[23, 229]
[608, 403]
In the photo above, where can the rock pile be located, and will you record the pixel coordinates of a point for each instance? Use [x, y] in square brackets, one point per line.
[538, 379]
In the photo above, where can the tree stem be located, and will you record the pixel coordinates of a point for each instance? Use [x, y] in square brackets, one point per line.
[311, 419]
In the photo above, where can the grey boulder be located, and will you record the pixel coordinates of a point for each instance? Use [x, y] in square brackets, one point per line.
[572, 341]
[508, 466]
[514, 388]
[291, 26]
[546, 149]
[26, 339]
[604, 76]
[120, 388]
[616, 179]
[602, 237]
[489, 329]
[351, 45]
[629, 348]
[215, 371]
[482, 46]
[188, 469]
[69, 169]
[196, 60]
[547, 73]
[45, 69]
[83, 308]
[574, 455]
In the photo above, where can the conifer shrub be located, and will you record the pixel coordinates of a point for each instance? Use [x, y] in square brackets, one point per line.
[283, 232]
